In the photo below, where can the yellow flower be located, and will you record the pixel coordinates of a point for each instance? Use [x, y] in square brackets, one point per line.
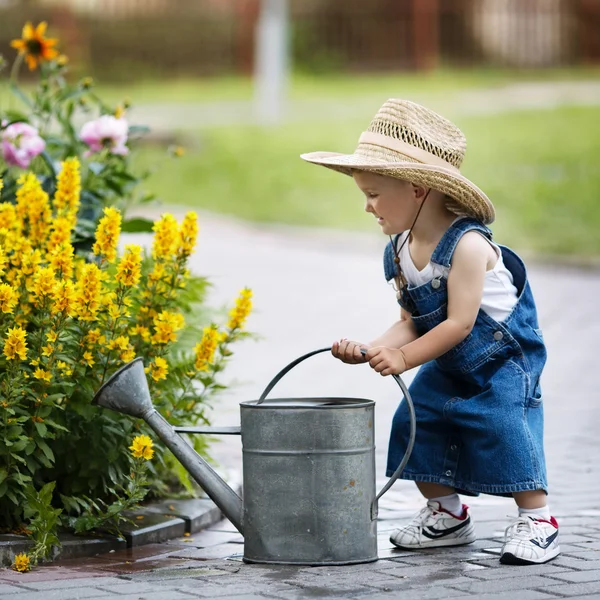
[142, 331]
[33, 207]
[188, 234]
[128, 355]
[159, 369]
[8, 298]
[35, 46]
[44, 284]
[21, 563]
[47, 350]
[64, 298]
[165, 326]
[239, 313]
[64, 368]
[93, 336]
[206, 348]
[87, 293]
[42, 374]
[165, 237]
[68, 188]
[141, 447]
[3, 261]
[121, 343]
[107, 234]
[88, 359]
[52, 336]
[129, 269]
[119, 111]
[15, 345]
[59, 246]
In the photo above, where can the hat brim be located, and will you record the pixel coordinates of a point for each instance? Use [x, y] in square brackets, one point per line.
[470, 198]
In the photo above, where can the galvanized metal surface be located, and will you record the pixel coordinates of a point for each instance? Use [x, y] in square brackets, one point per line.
[127, 392]
[308, 471]
[309, 481]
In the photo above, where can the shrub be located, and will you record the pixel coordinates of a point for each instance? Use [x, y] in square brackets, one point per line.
[75, 307]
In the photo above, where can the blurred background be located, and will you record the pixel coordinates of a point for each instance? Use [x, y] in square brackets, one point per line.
[245, 86]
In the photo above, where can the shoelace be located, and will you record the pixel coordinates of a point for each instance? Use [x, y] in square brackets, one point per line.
[524, 528]
[426, 513]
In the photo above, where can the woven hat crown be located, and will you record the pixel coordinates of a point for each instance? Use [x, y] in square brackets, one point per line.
[421, 128]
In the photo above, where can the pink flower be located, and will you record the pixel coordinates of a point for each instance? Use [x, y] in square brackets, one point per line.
[106, 132]
[21, 144]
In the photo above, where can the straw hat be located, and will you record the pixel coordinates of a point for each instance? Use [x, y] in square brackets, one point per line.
[408, 141]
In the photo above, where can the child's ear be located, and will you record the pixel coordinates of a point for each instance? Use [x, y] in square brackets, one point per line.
[419, 191]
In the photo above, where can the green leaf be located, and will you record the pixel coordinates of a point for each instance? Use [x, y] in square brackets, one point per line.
[43, 446]
[3, 474]
[41, 429]
[137, 225]
[48, 160]
[16, 90]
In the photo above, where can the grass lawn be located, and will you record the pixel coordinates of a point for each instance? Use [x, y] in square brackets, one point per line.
[538, 167]
[303, 85]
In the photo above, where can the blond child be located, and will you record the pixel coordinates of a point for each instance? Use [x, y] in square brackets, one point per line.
[468, 320]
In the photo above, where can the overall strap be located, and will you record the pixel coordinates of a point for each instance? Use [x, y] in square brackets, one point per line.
[444, 251]
[389, 266]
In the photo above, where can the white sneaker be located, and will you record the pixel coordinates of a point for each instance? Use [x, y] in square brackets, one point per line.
[434, 527]
[530, 541]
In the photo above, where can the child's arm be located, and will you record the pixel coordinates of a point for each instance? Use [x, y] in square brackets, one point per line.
[465, 289]
[399, 334]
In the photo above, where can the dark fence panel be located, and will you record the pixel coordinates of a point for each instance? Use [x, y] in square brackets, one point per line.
[123, 39]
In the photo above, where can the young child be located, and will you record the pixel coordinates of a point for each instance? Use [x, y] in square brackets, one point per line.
[469, 318]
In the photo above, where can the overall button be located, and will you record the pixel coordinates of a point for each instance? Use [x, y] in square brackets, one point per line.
[435, 284]
[448, 473]
[454, 447]
[498, 336]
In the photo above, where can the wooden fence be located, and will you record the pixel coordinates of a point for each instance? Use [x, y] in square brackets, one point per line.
[120, 39]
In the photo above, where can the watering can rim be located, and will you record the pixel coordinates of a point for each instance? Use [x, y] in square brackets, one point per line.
[113, 376]
[295, 403]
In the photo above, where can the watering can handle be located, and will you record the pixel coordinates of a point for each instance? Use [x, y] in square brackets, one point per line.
[411, 412]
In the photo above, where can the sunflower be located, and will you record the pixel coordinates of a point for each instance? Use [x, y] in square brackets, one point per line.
[34, 45]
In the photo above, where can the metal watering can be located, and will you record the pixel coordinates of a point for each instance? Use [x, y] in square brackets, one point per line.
[308, 469]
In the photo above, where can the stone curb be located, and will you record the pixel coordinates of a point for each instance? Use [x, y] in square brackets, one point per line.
[152, 523]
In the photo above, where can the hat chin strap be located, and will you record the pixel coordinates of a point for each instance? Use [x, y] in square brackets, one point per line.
[400, 278]
[390, 143]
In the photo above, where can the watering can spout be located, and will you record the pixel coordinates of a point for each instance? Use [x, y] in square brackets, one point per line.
[127, 392]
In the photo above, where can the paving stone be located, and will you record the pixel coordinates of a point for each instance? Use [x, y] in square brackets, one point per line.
[64, 584]
[48, 573]
[64, 594]
[522, 595]
[73, 546]
[6, 589]
[151, 528]
[219, 551]
[509, 572]
[161, 595]
[11, 545]
[578, 576]
[575, 589]
[474, 586]
[198, 513]
[576, 563]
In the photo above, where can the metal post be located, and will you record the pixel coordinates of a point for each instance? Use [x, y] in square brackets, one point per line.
[271, 60]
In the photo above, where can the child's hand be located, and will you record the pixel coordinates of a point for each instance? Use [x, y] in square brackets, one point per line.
[387, 361]
[349, 352]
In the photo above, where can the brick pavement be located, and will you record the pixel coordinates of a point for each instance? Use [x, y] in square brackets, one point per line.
[311, 288]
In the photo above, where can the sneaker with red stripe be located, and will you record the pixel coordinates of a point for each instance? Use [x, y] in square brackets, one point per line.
[434, 527]
[530, 540]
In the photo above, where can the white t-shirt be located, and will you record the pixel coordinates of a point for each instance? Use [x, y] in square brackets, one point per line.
[499, 291]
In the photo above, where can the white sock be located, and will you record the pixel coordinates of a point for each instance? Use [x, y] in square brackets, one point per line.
[450, 503]
[543, 512]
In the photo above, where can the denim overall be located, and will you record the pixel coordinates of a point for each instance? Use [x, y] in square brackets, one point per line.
[479, 406]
